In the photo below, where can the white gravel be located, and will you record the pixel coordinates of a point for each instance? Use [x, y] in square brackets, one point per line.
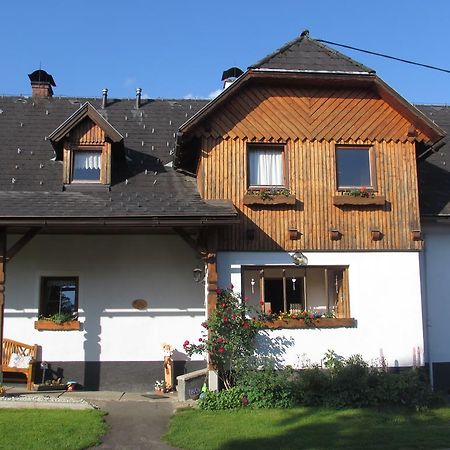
[43, 401]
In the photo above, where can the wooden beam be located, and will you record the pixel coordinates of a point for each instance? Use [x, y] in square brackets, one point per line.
[20, 244]
[188, 239]
[2, 289]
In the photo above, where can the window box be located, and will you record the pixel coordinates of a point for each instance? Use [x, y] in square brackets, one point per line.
[253, 199]
[349, 200]
[53, 326]
[316, 323]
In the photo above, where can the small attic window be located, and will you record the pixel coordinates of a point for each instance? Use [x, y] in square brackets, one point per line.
[87, 165]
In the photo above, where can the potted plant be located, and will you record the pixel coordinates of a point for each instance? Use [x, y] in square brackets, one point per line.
[160, 387]
[58, 321]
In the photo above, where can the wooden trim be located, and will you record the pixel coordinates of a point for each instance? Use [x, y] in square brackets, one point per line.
[317, 323]
[251, 199]
[20, 244]
[350, 200]
[48, 325]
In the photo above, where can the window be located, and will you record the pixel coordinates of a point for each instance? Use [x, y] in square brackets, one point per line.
[266, 166]
[354, 167]
[59, 295]
[86, 166]
[321, 290]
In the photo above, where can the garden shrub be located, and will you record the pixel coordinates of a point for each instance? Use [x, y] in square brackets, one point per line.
[312, 386]
[267, 387]
[227, 399]
[353, 383]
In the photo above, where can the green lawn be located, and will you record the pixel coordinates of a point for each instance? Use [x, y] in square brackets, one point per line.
[309, 428]
[45, 429]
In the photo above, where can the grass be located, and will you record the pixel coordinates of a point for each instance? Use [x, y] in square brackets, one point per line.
[39, 429]
[309, 428]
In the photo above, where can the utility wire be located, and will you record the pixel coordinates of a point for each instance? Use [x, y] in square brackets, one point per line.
[385, 56]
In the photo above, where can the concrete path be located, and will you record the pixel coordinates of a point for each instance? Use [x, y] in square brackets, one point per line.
[136, 425]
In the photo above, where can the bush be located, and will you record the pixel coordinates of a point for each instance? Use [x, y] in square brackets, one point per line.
[353, 383]
[407, 388]
[312, 386]
[267, 387]
[227, 399]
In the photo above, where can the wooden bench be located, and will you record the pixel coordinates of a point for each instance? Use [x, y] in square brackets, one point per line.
[8, 348]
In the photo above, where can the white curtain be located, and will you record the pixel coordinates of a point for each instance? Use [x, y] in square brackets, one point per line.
[87, 160]
[266, 168]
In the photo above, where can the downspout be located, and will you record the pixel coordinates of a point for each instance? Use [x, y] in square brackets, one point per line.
[425, 312]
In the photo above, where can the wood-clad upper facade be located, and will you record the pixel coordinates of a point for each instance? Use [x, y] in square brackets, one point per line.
[309, 120]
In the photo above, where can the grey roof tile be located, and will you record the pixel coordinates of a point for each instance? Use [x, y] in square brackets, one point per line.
[434, 172]
[304, 53]
[31, 180]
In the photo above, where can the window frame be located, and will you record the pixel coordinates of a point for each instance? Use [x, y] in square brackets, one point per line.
[280, 146]
[345, 284]
[373, 187]
[87, 148]
[59, 278]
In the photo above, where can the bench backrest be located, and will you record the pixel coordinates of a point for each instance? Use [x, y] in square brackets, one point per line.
[9, 347]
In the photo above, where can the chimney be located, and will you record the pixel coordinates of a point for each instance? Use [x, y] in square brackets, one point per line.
[104, 98]
[138, 97]
[230, 76]
[41, 83]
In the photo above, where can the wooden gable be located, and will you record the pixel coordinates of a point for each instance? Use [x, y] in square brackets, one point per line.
[309, 123]
[278, 113]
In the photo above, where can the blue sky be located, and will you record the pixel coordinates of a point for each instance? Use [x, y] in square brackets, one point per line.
[179, 48]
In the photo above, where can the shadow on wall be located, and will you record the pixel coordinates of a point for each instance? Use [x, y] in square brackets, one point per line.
[273, 348]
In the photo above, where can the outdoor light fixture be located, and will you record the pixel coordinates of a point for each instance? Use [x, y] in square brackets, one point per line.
[299, 259]
[198, 274]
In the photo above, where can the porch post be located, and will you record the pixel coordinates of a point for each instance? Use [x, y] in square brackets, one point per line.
[211, 281]
[2, 289]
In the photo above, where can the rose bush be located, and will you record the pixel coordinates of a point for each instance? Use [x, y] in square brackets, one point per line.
[228, 336]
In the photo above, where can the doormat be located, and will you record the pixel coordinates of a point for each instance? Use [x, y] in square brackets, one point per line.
[155, 396]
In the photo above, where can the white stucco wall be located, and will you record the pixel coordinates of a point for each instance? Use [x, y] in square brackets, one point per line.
[436, 269]
[385, 299]
[113, 271]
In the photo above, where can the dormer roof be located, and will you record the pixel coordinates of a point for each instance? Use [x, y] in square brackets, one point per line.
[86, 110]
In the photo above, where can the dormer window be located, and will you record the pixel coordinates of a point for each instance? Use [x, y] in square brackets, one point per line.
[86, 165]
[85, 143]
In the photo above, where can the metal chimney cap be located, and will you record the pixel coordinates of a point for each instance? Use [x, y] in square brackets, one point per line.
[138, 91]
[232, 72]
[41, 76]
[105, 91]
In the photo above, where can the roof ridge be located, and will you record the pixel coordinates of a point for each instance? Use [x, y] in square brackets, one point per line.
[304, 36]
[282, 49]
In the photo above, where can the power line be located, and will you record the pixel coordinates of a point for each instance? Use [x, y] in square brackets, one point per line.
[385, 56]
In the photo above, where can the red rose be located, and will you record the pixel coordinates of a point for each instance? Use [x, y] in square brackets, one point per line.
[186, 343]
[225, 319]
[246, 325]
[220, 349]
[204, 325]
[219, 340]
[224, 305]
[233, 317]
[200, 340]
